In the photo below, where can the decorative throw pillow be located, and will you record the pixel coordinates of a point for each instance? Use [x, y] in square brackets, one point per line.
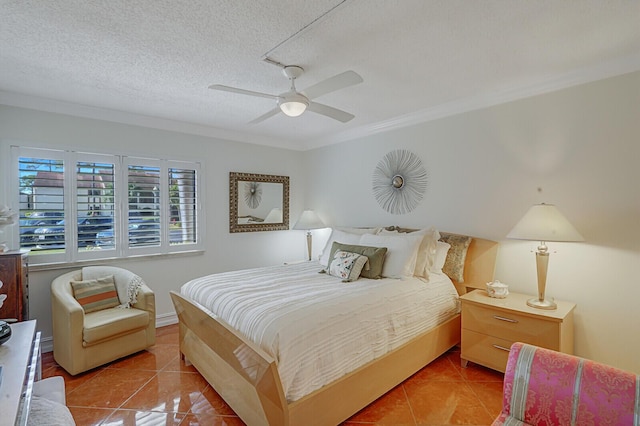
[454, 265]
[375, 256]
[97, 294]
[347, 265]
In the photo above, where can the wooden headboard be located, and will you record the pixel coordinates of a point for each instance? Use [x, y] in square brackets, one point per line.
[479, 265]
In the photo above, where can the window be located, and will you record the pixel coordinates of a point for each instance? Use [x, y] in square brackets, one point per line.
[143, 205]
[75, 206]
[182, 206]
[95, 203]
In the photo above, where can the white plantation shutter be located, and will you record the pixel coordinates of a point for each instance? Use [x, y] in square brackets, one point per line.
[95, 202]
[79, 206]
[41, 200]
[182, 206]
[144, 199]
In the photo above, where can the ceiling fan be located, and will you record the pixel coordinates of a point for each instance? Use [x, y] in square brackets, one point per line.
[294, 103]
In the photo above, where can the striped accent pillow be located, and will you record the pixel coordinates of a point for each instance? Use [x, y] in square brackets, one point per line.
[95, 295]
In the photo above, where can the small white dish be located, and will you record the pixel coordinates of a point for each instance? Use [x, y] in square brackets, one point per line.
[497, 289]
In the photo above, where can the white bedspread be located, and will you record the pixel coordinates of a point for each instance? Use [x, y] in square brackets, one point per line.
[317, 327]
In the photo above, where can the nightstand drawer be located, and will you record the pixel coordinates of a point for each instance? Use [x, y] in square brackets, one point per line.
[510, 326]
[490, 326]
[486, 350]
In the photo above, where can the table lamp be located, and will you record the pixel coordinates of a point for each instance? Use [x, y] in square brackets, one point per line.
[274, 216]
[543, 222]
[309, 220]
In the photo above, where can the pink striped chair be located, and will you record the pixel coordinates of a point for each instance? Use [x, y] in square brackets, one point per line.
[544, 387]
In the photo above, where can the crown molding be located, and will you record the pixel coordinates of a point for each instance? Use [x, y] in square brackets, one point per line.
[37, 103]
[485, 100]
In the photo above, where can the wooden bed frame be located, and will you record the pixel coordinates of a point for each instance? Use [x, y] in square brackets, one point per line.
[247, 378]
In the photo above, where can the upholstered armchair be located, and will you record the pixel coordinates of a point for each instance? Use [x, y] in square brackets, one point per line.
[544, 387]
[91, 325]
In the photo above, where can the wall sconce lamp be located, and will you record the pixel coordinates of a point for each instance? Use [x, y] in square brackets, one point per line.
[543, 222]
[309, 220]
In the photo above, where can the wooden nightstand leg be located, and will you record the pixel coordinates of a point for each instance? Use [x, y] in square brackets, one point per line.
[464, 362]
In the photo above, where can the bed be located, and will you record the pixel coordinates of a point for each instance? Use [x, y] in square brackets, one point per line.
[255, 377]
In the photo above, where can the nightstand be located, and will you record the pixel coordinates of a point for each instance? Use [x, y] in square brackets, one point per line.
[490, 326]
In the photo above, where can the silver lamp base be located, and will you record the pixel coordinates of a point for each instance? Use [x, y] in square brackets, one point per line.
[309, 244]
[542, 263]
[541, 304]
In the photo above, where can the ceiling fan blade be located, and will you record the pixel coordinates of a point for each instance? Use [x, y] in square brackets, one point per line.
[337, 82]
[265, 116]
[330, 112]
[241, 91]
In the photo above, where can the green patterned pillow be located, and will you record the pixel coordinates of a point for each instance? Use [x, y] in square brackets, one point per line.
[375, 255]
[346, 265]
[454, 265]
[95, 295]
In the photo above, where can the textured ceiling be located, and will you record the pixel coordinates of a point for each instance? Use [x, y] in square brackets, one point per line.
[420, 59]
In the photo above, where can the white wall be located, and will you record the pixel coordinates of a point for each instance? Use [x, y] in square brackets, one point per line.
[577, 148]
[223, 251]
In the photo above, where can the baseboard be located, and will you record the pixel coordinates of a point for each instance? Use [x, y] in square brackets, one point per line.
[166, 319]
[46, 343]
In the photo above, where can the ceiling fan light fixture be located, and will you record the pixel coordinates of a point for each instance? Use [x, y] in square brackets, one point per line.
[293, 105]
[293, 108]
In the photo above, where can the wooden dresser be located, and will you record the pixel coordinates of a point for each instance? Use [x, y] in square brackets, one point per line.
[14, 274]
[490, 326]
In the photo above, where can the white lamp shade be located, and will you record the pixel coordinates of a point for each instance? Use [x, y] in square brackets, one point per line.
[309, 220]
[274, 216]
[544, 222]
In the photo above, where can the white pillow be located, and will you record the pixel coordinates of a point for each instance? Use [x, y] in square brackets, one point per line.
[426, 251]
[341, 237]
[402, 251]
[442, 249]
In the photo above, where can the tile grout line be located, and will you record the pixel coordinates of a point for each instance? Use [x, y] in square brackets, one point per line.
[467, 381]
[121, 406]
[413, 416]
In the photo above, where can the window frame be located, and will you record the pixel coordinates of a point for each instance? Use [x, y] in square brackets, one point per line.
[121, 163]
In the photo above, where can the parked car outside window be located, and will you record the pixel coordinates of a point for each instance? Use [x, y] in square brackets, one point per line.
[29, 225]
[87, 228]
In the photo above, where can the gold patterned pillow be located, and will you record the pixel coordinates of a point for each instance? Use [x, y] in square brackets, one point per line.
[454, 265]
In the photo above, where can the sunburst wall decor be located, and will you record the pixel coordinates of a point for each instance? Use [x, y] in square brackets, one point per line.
[252, 194]
[399, 181]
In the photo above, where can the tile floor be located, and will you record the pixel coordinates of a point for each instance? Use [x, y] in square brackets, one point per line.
[154, 387]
